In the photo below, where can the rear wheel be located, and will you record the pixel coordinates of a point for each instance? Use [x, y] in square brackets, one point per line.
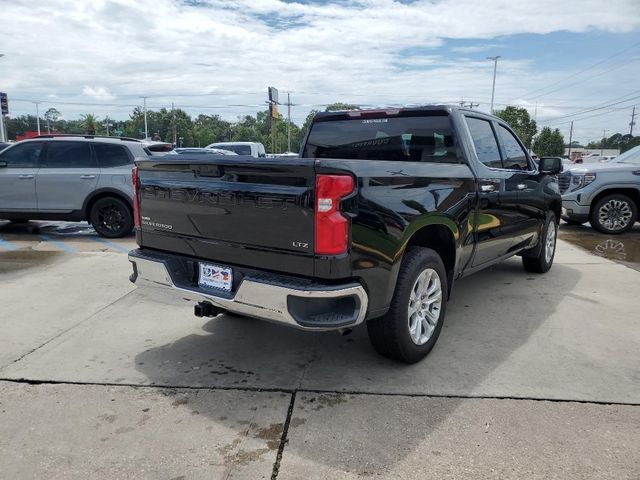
[542, 259]
[411, 328]
[613, 214]
[111, 217]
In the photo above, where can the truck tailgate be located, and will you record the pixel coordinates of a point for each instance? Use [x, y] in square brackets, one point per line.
[230, 209]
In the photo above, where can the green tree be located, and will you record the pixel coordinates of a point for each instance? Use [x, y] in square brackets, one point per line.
[89, 123]
[51, 116]
[338, 106]
[550, 143]
[518, 118]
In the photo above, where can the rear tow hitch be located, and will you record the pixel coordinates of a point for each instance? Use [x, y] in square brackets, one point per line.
[206, 309]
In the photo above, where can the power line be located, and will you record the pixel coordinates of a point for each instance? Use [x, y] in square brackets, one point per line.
[573, 75]
[596, 107]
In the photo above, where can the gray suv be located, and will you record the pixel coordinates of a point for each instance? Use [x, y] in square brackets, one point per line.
[605, 194]
[71, 178]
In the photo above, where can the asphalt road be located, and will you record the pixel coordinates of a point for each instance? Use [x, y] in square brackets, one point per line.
[533, 377]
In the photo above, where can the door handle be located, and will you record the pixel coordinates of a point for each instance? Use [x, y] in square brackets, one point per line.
[487, 188]
[25, 177]
[87, 177]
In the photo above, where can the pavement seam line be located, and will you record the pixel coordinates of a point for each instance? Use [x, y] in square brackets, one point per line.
[284, 437]
[59, 334]
[315, 391]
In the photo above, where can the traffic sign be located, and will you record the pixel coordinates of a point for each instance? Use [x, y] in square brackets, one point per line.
[4, 103]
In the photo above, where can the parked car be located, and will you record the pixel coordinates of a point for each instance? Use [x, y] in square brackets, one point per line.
[201, 151]
[607, 158]
[254, 149]
[71, 178]
[383, 212]
[156, 147]
[605, 194]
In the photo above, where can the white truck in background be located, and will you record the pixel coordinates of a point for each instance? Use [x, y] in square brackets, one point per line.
[255, 149]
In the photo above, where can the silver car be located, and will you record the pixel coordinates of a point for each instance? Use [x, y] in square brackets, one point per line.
[71, 178]
[605, 194]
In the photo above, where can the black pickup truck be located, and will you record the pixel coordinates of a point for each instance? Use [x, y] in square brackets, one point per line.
[374, 222]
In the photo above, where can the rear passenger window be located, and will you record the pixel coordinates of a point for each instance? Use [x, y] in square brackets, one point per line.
[485, 142]
[111, 155]
[68, 155]
[515, 157]
[24, 155]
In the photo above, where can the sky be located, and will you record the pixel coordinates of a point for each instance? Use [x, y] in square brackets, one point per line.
[563, 60]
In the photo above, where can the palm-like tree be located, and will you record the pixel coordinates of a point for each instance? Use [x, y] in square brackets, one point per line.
[89, 122]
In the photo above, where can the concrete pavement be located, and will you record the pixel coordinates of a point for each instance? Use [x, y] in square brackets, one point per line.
[572, 335]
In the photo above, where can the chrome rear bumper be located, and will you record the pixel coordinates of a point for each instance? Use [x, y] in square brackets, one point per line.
[320, 307]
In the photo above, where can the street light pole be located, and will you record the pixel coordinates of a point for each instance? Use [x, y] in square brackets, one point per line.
[146, 131]
[288, 122]
[493, 88]
[37, 116]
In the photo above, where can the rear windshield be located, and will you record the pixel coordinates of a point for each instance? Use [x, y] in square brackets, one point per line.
[411, 139]
[239, 149]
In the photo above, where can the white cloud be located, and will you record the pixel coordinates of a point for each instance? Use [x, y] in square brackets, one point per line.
[475, 48]
[98, 93]
[116, 51]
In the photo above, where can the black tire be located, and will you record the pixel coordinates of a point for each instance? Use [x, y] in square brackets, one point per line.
[537, 260]
[111, 217]
[390, 335]
[621, 208]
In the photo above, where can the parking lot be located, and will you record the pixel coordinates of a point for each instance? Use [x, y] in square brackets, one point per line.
[533, 376]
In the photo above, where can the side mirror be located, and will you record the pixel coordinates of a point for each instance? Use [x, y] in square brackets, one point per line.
[3, 164]
[550, 165]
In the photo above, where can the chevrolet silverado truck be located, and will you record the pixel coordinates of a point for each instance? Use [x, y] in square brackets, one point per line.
[374, 222]
[607, 195]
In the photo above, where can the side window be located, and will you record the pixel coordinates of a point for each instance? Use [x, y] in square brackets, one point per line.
[485, 142]
[22, 156]
[515, 157]
[68, 155]
[111, 155]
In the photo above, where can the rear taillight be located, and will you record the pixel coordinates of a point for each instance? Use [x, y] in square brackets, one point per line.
[136, 204]
[332, 227]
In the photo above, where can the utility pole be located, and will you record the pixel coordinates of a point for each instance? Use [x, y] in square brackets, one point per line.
[38, 116]
[535, 113]
[146, 131]
[175, 134]
[570, 139]
[288, 122]
[493, 88]
[604, 137]
[633, 121]
[2, 135]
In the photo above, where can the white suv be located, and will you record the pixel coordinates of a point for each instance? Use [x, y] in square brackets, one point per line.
[71, 178]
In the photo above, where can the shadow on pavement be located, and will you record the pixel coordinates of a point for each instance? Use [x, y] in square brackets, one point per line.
[491, 315]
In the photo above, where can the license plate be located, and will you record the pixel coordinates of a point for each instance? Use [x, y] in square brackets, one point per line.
[215, 276]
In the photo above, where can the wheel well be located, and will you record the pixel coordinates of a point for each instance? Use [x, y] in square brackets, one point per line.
[632, 193]
[556, 206]
[440, 239]
[99, 196]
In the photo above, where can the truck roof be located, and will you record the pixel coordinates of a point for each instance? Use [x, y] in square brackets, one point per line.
[397, 111]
